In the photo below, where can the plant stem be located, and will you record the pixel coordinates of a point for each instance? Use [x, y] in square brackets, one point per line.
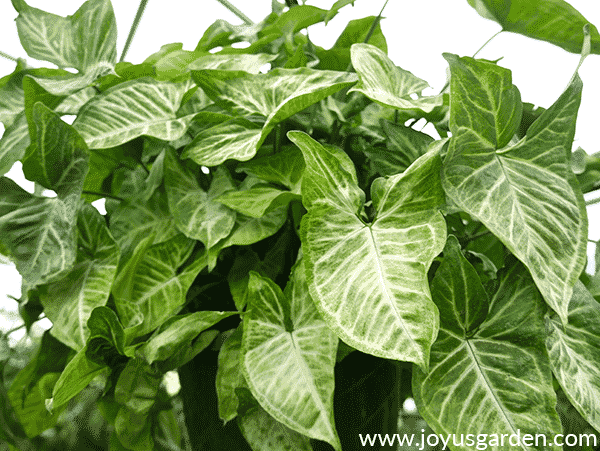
[110, 196]
[14, 329]
[486, 43]
[8, 57]
[133, 29]
[236, 11]
[593, 201]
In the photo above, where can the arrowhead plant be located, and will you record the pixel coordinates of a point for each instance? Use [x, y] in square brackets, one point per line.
[278, 238]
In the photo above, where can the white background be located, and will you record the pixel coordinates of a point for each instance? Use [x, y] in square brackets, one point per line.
[417, 34]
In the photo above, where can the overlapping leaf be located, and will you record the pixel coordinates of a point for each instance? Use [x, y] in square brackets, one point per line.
[258, 200]
[381, 305]
[229, 375]
[522, 191]
[284, 168]
[131, 109]
[285, 339]
[385, 83]
[575, 356]
[554, 21]
[69, 302]
[14, 142]
[69, 41]
[39, 232]
[492, 375]
[274, 96]
[155, 284]
[195, 211]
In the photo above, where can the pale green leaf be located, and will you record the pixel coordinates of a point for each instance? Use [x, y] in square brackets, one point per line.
[385, 83]
[57, 158]
[178, 332]
[85, 39]
[195, 211]
[524, 192]
[14, 142]
[258, 200]
[69, 302]
[575, 353]
[39, 232]
[496, 377]
[138, 107]
[365, 275]
[554, 21]
[285, 339]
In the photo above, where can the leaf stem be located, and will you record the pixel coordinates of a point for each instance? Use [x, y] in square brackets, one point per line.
[110, 196]
[236, 11]
[7, 56]
[133, 29]
[486, 43]
[14, 329]
[592, 201]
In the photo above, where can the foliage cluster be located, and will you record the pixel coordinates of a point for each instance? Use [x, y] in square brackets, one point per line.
[278, 232]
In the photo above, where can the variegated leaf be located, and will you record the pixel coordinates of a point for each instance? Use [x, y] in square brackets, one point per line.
[14, 142]
[385, 83]
[575, 353]
[524, 192]
[69, 302]
[196, 212]
[131, 109]
[258, 200]
[85, 39]
[39, 232]
[496, 376]
[369, 280]
[285, 340]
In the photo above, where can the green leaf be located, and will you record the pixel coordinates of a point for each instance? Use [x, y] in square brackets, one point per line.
[336, 7]
[39, 232]
[196, 212]
[77, 375]
[285, 339]
[385, 83]
[402, 147]
[384, 263]
[356, 32]
[178, 332]
[229, 375]
[524, 192]
[296, 19]
[107, 338]
[497, 376]
[70, 41]
[58, 157]
[138, 107]
[553, 21]
[258, 200]
[136, 392]
[275, 96]
[156, 285]
[133, 220]
[69, 302]
[574, 354]
[284, 168]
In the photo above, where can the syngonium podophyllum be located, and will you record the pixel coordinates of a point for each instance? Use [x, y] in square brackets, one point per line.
[285, 236]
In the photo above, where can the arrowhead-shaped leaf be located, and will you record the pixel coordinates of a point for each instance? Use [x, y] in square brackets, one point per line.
[258, 200]
[554, 21]
[70, 41]
[39, 232]
[69, 302]
[138, 107]
[57, 158]
[14, 143]
[285, 339]
[524, 192]
[385, 83]
[196, 212]
[575, 353]
[284, 168]
[494, 376]
[382, 305]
